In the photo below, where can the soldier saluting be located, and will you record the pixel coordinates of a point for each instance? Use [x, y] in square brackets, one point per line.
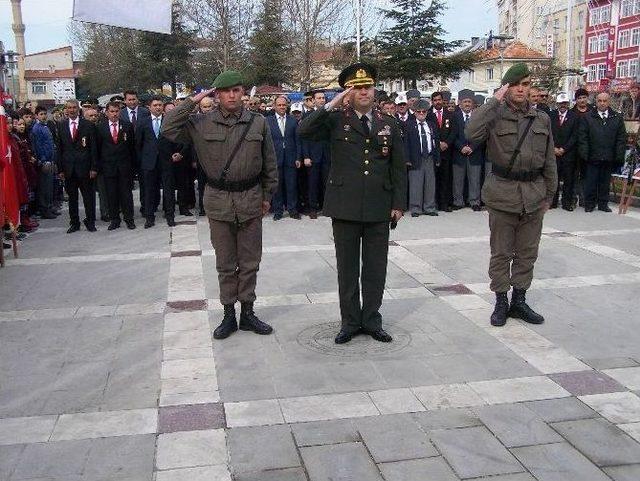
[519, 189]
[236, 153]
[365, 191]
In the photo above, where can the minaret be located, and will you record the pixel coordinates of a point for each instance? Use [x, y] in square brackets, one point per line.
[18, 32]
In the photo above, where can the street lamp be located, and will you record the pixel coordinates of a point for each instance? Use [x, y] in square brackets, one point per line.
[502, 46]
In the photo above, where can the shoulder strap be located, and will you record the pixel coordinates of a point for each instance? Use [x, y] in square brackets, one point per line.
[236, 147]
[516, 152]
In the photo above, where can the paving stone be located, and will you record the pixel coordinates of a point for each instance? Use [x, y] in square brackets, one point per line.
[611, 362]
[396, 401]
[447, 396]
[348, 461]
[253, 413]
[325, 407]
[290, 474]
[325, 432]
[26, 430]
[121, 457]
[394, 438]
[618, 407]
[515, 425]
[52, 459]
[447, 419]
[561, 409]
[191, 417]
[600, 441]
[418, 470]
[630, 472]
[518, 389]
[191, 448]
[474, 452]
[580, 383]
[262, 448]
[202, 397]
[632, 429]
[202, 473]
[558, 462]
[628, 376]
[9, 456]
[105, 424]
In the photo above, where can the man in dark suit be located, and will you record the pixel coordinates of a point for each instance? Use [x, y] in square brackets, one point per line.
[444, 121]
[423, 154]
[284, 132]
[134, 112]
[468, 157]
[367, 189]
[564, 125]
[117, 161]
[78, 165]
[156, 155]
[602, 143]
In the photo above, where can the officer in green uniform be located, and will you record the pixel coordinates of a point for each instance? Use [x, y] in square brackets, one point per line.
[519, 189]
[236, 153]
[366, 190]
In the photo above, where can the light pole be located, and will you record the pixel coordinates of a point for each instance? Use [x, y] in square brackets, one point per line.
[11, 67]
[502, 46]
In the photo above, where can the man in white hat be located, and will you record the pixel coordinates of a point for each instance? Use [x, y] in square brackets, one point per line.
[564, 126]
[402, 109]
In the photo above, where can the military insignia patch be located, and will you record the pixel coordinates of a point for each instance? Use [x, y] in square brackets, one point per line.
[385, 151]
[347, 128]
[446, 123]
[385, 131]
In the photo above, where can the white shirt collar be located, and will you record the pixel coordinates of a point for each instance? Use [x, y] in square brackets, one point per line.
[76, 120]
[159, 117]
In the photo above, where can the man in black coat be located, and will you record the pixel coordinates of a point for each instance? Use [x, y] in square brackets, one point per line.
[133, 112]
[564, 125]
[156, 155]
[117, 160]
[601, 142]
[78, 165]
[367, 189]
[445, 122]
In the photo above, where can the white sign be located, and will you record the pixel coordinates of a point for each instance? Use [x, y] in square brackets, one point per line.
[550, 45]
[63, 90]
[149, 15]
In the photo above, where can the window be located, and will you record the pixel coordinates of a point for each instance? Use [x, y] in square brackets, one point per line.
[489, 75]
[600, 15]
[633, 68]
[603, 40]
[580, 18]
[629, 8]
[602, 70]
[593, 44]
[624, 38]
[622, 69]
[538, 31]
[635, 37]
[39, 87]
[539, 11]
[591, 73]
[472, 75]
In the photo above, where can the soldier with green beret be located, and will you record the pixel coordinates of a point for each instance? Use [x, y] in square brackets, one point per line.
[235, 150]
[367, 188]
[519, 189]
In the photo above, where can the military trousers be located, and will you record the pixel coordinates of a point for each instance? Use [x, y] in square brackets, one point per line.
[238, 248]
[515, 239]
[353, 241]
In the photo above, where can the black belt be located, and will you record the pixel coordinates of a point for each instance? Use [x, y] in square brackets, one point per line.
[234, 186]
[527, 176]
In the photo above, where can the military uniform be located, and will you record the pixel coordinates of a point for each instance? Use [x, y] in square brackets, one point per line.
[233, 207]
[366, 181]
[515, 197]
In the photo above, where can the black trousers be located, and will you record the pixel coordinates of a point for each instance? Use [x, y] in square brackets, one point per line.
[183, 181]
[444, 193]
[86, 187]
[596, 185]
[159, 177]
[348, 238]
[318, 174]
[120, 194]
[202, 182]
[566, 175]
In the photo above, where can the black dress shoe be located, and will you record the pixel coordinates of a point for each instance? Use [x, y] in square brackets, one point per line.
[457, 207]
[432, 213]
[171, 222]
[295, 215]
[114, 225]
[476, 208]
[73, 228]
[277, 216]
[201, 212]
[48, 215]
[186, 212]
[448, 209]
[130, 224]
[589, 209]
[605, 208]
[91, 227]
[379, 335]
[415, 214]
[343, 337]
[149, 223]
[568, 208]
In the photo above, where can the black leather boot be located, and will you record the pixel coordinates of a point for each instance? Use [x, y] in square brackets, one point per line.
[499, 316]
[520, 310]
[250, 322]
[228, 325]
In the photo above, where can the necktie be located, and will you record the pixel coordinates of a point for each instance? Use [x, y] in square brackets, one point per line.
[74, 130]
[424, 140]
[114, 132]
[365, 124]
[156, 126]
[133, 118]
[439, 114]
[561, 119]
[281, 124]
[466, 118]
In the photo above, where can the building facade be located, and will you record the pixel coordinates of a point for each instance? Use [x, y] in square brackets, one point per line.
[51, 76]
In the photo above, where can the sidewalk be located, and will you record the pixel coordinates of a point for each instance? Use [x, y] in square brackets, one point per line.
[109, 371]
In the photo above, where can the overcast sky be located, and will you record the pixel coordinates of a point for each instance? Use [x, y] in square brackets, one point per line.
[46, 21]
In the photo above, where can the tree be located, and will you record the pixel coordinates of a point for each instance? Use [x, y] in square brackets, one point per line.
[551, 75]
[268, 55]
[413, 46]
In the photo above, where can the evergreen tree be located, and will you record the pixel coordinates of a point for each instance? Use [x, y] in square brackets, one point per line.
[414, 47]
[268, 54]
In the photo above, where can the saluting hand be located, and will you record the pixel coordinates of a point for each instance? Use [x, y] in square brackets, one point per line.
[499, 95]
[337, 100]
[203, 93]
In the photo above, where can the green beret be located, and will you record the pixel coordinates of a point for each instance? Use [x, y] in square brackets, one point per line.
[228, 79]
[516, 73]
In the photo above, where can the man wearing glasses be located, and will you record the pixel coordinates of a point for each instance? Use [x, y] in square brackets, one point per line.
[519, 189]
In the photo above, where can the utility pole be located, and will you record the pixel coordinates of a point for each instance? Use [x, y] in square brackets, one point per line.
[358, 27]
[18, 32]
[569, 36]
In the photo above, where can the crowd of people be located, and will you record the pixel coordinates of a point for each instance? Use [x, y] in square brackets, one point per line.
[82, 149]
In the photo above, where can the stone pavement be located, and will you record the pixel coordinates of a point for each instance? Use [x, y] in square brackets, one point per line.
[108, 370]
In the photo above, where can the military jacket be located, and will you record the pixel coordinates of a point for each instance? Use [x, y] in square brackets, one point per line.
[368, 176]
[213, 137]
[501, 127]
